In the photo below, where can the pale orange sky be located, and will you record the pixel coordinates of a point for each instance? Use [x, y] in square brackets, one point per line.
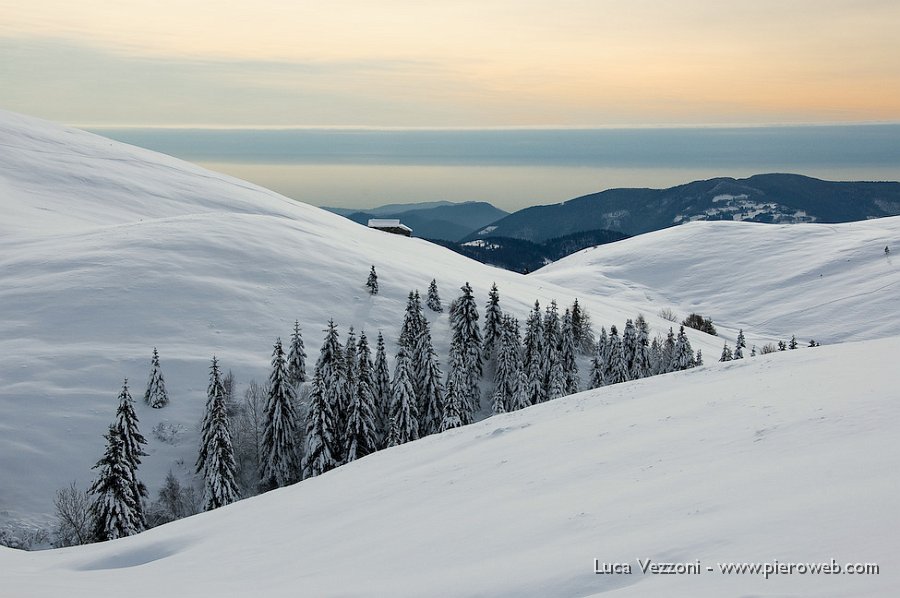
[460, 63]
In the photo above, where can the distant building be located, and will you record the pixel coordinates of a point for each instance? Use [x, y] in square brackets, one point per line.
[390, 226]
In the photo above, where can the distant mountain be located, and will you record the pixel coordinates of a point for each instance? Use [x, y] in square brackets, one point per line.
[786, 198]
[443, 220]
[394, 208]
[524, 256]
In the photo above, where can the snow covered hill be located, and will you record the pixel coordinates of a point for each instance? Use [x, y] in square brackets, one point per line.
[830, 282]
[107, 251]
[772, 458]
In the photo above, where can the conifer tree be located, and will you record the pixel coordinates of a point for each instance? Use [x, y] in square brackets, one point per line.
[393, 437]
[656, 356]
[113, 510]
[598, 365]
[403, 400]
[156, 395]
[739, 346]
[372, 282]
[684, 355]
[413, 321]
[509, 361]
[793, 344]
[642, 365]
[668, 353]
[466, 338]
[434, 299]
[553, 377]
[220, 472]
[520, 394]
[581, 325]
[727, 355]
[753, 351]
[497, 403]
[629, 345]
[567, 355]
[534, 356]
[321, 440]
[451, 418]
[331, 368]
[782, 346]
[361, 436]
[381, 387]
[132, 450]
[616, 370]
[215, 388]
[492, 322]
[280, 464]
[296, 359]
[351, 366]
[429, 388]
[698, 360]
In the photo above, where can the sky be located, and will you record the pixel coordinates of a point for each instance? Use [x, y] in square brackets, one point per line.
[483, 64]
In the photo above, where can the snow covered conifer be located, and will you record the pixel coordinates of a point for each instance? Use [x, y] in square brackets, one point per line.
[684, 355]
[296, 359]
[113, 510]
[553, 375]
[413, 321]
[434, 299]
[616, 370]
[156, 395]
[215, 387]
[581, 325]
[381, 388]
[533, 358]
[361, 435]
[727, 355]
[220, 471]
[509, 361]
[280, 452]
[429, 390]
[793, 344]
[497, 403]
[403, 400]
[642, 365]
[321, 439]
[451, 418]
[739, 346]
[598, 366]
[753, 351]
[698, 360]
[466, 337]
[132, 450]
[372, 282]
[520, 394]
[331, 367]
[351, 366]
[567, 355]
[629, 344]
[668, 353]
[492, 322]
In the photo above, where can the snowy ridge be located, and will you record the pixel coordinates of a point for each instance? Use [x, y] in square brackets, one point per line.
[107, 251]
[776, 459]
[830, 282]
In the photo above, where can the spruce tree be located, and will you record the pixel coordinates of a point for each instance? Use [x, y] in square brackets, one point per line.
[616, 370]
[381, 387]
[567, 355]
[434, 299]
[413, 321]
[497, 403]
[782, 346]
[642, 365]
[220, 472]
[598, 364]
[684, 355]
[280, 450]
[793, 344]
[629, 345]
[215, 388]
[429, 388]
[698, 360]
[509, 361]
[296, 359]
[451, 417]
[492, 322]
[403, 401]
[351, 366]
[361, 438]
[331, 368]
[727, 355]
[114, 511]
[466, 339]
[520, 393]
[740, 345]
[156, 395]
[753, 351]
[321, 440]
[668, 353]
[372, 282]
[132, 449]
[581, 325]
[553, 377]
[533, 356]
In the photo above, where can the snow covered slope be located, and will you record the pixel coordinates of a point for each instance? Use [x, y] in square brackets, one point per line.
[830, 282]
[107, 251]
[772, 458]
